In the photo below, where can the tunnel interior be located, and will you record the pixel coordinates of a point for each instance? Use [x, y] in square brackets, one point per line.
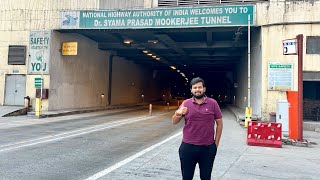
[179, 54]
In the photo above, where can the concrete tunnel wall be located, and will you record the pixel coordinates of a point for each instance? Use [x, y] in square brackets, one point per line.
[241, 92]
[242, 80]
[256, 73]
[130, 81]
[78, 81]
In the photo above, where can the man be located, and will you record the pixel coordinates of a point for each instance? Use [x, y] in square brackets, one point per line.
[199, 142]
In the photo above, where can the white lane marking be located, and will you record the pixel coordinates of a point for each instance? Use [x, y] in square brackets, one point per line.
[32, 121]
[129, 159]
[72, 133]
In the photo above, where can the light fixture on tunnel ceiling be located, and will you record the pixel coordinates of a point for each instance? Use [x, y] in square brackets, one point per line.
[127, 41]
[152, 41]
[184, 65]
[178, 70]
[158, 59]
[172, 67]
[150, 54]
[154, 56]
[145, 51]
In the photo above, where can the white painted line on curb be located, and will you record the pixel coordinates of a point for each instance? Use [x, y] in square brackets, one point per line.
[131, 158]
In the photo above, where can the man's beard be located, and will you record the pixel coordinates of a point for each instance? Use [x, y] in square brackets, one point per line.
[198, 96]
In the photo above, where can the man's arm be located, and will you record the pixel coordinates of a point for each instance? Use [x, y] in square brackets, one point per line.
[218, 130]
[176, 118]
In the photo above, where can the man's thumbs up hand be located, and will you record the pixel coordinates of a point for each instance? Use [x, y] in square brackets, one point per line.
[182, 110]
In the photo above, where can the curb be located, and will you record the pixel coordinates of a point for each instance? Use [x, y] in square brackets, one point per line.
[18, 112]
[81, 111]
[235, 114]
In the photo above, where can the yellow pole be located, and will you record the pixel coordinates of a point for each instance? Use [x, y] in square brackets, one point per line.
[248, 116]
[38, 107]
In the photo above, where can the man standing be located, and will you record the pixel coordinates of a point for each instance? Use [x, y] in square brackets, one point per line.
[199, 142]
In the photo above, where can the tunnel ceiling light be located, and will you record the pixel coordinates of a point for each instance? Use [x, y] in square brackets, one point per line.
[172, 67]
[158, 59]
[149, 54]
[145, 51]
[153, 41]
[185, 65]
[178, 70]
[127, 41]
[154, 56]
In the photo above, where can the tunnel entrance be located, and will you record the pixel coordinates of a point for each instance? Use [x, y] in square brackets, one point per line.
[153, 54]
[177, 55]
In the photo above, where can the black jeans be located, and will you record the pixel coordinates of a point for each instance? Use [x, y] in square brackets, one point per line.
[191, 154]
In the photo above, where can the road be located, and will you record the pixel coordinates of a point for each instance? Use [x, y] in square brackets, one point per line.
[77, 148]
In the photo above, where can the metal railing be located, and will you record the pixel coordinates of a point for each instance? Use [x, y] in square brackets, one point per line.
[171, 3]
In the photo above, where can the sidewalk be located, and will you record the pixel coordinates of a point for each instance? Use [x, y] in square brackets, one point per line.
[4, 110]
[240, 113]
[7, 111]
[240, 117]
[234, 160]
[55, 113]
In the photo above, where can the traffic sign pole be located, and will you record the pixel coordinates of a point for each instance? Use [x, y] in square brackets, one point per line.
[300, 86]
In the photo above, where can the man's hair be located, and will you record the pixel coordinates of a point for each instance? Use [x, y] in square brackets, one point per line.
[195, 81]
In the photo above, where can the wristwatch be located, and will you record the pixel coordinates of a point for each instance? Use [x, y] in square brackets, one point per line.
[177, 114]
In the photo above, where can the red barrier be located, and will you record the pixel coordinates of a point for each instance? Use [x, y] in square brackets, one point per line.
[264, 134]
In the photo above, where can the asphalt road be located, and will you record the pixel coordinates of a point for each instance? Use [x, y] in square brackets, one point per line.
[77, 148]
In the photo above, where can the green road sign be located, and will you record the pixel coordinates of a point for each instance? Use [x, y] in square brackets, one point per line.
[37, 82]
[182, 17]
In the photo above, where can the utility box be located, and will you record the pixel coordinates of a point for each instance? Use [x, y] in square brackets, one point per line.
[283, 114]
[45, 93]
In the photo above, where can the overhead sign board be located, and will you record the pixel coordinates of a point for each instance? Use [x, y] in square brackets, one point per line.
[69, 48]
[280, 77]
[208, 16]
[289, 46]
